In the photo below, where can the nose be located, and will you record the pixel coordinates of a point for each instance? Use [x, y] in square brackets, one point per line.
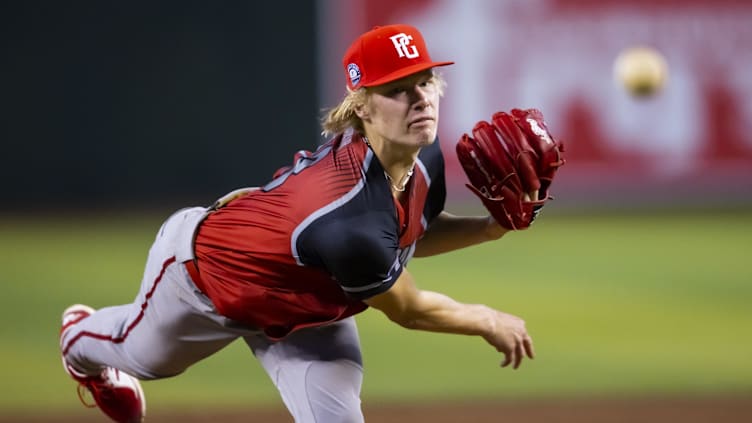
[420, 97]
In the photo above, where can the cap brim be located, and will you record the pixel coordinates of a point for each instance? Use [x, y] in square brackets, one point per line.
[406, 71]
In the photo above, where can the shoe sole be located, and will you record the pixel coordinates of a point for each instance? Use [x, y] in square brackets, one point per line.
[77, 308]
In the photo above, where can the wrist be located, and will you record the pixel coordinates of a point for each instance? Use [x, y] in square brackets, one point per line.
[494, 231]
[488, 325]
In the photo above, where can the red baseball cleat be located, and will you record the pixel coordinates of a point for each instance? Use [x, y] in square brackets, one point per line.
[117, 394]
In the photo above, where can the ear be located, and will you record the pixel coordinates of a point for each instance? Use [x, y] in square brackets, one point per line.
[362, 111]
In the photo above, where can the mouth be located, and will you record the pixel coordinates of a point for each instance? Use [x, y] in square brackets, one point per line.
[421, 121]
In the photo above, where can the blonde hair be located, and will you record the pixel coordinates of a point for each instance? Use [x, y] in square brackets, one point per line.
[342, 116]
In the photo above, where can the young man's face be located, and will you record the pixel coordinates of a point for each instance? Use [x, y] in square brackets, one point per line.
[405, 111]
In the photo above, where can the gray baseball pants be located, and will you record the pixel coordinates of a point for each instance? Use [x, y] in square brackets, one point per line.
[172, 325]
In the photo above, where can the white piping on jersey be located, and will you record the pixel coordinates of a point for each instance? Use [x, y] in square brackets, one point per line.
[395, 266]
[328, 208]
[402, 258]
[347, 137]
[409, 254]
[424, 171]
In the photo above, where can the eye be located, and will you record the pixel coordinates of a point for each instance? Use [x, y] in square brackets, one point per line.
[396, 90]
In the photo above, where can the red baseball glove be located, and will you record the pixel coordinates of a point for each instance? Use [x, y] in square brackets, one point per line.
[511, 163]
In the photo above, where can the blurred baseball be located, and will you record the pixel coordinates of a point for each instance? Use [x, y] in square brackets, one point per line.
[641, 70]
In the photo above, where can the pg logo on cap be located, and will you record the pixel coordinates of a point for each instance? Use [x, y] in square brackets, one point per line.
[354, 72]
[402, 42]
[371, 60]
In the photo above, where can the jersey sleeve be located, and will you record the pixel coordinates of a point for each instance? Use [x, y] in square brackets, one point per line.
[363, 260]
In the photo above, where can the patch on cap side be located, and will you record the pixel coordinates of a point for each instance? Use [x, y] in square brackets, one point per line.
[354, 72]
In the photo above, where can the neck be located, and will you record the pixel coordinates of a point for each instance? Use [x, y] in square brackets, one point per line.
[398, 162]
[399, 186]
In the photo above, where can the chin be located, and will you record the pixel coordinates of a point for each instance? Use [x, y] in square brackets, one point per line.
[425, 136]
[427, 139]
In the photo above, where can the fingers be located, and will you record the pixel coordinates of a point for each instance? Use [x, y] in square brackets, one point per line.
[527, 343]
[509, 358]
[518, 354]
[530, 196]
[510, 337]
[523, 346]
[225, 199]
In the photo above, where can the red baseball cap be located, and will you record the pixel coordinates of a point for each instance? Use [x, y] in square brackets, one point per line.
[385, 54]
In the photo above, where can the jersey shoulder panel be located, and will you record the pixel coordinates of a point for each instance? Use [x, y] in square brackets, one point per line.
[359, 251]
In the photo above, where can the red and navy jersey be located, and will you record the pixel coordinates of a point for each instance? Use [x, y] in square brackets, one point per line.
[323, 235]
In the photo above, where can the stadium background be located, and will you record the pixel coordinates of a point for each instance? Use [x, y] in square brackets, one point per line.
[635, 283]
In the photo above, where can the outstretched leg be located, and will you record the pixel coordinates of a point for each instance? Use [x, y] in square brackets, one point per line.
[169, 326]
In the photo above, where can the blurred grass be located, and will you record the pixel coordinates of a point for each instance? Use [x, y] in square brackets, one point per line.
[617, 305]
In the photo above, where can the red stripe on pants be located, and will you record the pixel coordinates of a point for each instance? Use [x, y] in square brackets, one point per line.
[135, 322]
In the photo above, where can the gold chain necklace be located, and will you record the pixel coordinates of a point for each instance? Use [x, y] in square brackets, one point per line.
[405, 178]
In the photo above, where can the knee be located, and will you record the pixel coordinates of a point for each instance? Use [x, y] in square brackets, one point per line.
[334, 391]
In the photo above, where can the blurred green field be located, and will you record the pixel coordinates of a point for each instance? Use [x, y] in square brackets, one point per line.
[617, 305]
